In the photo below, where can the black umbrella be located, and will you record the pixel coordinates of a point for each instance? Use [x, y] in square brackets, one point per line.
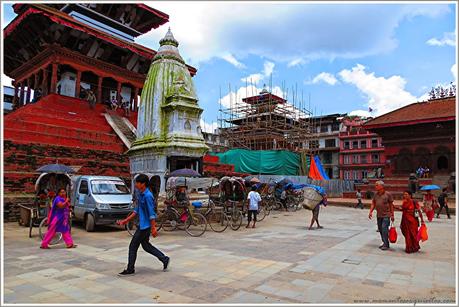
[56, 168]
[184, 172]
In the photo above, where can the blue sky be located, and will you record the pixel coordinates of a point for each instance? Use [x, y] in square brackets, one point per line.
[347, 57]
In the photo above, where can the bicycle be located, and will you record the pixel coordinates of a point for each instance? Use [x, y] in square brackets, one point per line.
[194, 223]
[218, 221]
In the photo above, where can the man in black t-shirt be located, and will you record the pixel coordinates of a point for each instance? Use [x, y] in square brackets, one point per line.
[443, 201]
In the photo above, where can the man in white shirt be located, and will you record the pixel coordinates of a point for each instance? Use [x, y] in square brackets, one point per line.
[254, 198]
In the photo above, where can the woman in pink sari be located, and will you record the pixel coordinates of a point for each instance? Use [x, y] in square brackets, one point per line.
[411, 212]
[429, 204]
[58, 220]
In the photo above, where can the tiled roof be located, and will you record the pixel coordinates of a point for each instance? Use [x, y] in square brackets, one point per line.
[419, 112]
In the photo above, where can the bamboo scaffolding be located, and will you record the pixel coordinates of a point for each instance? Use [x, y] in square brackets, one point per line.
[266, 121]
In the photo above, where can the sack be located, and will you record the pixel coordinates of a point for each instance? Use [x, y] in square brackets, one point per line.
[392, 234]
[422, 233]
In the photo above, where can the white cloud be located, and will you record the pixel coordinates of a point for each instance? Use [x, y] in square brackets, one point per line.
[324, 77]
[207, 30]
[361, 113]
[232, 60]
[208, 127]
[384, 94]
[253, 78]
[268, 68]
[296, 62]
[448, 39]
[6, 81]
[454, 72]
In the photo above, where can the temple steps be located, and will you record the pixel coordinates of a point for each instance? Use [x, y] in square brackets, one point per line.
[122, 127]
[57, 130]
[83, 141]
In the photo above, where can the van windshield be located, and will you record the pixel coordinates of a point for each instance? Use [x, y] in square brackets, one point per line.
[108, 187]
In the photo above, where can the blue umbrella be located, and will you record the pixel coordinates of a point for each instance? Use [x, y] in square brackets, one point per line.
[56, 168]
[430, 187]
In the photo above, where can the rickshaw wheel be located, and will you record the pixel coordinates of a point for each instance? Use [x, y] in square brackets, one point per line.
[236, 220]
[169, 221]
[196, 225]
[262, 212]
[278, 205]
[42, 231]
[218, 221]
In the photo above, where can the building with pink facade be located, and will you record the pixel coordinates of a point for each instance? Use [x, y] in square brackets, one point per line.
[361, 151]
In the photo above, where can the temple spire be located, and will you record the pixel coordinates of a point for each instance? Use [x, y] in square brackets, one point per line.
[169, 39]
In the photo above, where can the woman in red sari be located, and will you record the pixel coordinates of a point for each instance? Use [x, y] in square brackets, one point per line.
[410, 223]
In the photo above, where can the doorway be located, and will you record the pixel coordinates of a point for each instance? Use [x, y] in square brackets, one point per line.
[442, 163]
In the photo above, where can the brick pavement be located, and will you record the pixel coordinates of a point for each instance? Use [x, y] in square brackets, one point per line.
[278, 262]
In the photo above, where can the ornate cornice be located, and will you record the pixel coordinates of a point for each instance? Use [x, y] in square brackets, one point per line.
[55, 53]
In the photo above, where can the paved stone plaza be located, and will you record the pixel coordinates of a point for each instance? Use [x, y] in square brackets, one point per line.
[278, 262]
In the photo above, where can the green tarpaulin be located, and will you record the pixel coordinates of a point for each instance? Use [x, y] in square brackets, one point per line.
[269, 162]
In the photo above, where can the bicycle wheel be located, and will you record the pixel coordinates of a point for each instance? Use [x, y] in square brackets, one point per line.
[235, 219]
[196, 225]
[278, 205]
[131, 227]
[169, 221]
[42, 231]
[261, 213]
[218, 222]
[268, 208]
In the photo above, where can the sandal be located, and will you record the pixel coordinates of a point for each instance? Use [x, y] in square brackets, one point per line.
[72, 246]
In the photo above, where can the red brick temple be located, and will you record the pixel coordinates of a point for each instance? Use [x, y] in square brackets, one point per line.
[62, 51]
[419, 134]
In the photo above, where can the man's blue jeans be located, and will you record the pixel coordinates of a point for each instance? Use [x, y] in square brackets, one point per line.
[383, 227]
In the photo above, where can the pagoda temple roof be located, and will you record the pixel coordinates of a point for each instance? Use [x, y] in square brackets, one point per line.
[151, 18]
[437, 110]
[64, 19]
[263, 98]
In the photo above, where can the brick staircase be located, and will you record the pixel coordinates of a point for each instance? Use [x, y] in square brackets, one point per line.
[213, 168]
[63, 129]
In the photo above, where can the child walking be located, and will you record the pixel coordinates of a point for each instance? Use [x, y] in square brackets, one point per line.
[254, 198]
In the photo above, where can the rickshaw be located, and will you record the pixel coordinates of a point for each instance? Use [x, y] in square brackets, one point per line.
[233, 196]
[268, 195]
[180, 212]
[36, 215]
[294, 194]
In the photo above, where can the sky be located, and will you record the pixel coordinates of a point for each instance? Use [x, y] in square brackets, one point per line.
[339, 58]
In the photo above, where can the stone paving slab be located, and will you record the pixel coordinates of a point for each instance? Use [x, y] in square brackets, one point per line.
[278, 262]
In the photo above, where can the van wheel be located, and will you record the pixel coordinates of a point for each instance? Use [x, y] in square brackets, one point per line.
[89, 223]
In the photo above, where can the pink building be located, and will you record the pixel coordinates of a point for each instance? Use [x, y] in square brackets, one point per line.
[361, 152]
